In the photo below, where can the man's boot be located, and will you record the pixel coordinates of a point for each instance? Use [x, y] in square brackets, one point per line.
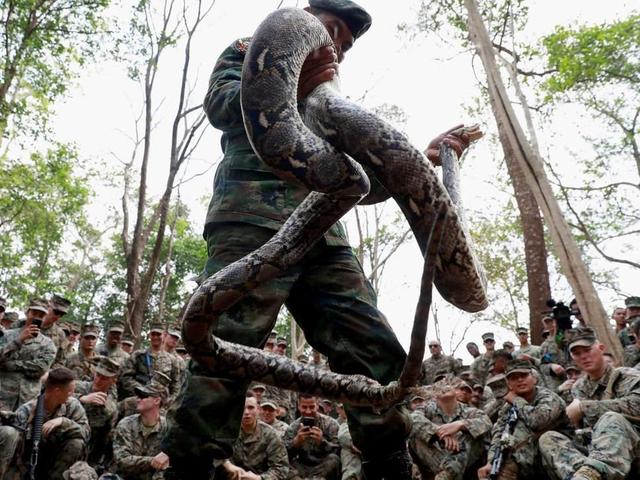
[396, 466]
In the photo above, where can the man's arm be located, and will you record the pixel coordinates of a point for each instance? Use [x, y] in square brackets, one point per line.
[128, 379]
[32, 368]
[277, 459]
[127, 463]
[477, 423]
[544, 414]
[627, 390]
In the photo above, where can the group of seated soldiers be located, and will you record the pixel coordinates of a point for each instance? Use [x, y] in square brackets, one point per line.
[561, 410]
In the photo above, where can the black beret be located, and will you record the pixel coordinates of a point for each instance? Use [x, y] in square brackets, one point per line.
[356, 17]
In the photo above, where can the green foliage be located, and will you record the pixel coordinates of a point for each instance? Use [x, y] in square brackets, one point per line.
[41, 201]
[44, 45]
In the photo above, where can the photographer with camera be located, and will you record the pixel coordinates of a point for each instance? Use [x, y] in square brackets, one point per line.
[312, 442]
[26, 354]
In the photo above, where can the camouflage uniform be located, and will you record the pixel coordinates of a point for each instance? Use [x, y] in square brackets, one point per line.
[481, 368]
[442, 364]
[312, 459]
[140, 367]
[279, 426]
[59, 339]
[626, 337]
[261, 451]
[21, 366]
[83, 367]
[135, 445]
[545, 412]
[534, 351]
[551, 352]
[615, 439]
[631, 356]
[285, 399]
[350, 461]
[430, 455]
[60, 449]
[327, 292]
[117, 354]
[102, 419]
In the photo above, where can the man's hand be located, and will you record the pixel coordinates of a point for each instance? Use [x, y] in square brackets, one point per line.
[52, 424]
[29, 331]
[451, 444]
[566, 385]
[483, 472]
[557, 369]
[455, 137]
[234, 472]
[526, 357]
[449, 429]
[574, 412]
[95, 398]
[250, 476]
[510, 397]
[315, 434]
[160, 461]
[320, 66]
[302, 435]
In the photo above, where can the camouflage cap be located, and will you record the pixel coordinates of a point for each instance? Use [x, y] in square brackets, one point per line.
[488, 336]
[39, 304]
[583, 337]
[416, 397]
[268, 403]
[90, 331]
[11, 317]
[545, 333]
[273, 335]
[498, 385]
[258, 386]
[356, 17]
[508, 344]
[80, 471]
[302, 358]
[517, 366]
[282, 341]
[3, 304]
[60, 303]
[156, 328]
[126, 338]
[174, 331]
[107, 367]
[522, 330]
[572, 366]
[116, 326]
[632, 302]
[65, 328]
[157, 387]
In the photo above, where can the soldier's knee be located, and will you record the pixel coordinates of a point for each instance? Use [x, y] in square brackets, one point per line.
[8, 436]
[548, 441]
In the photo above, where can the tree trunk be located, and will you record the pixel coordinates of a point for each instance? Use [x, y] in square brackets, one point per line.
[533, 171]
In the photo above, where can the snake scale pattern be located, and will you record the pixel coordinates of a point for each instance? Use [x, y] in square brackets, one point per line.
[323, 145]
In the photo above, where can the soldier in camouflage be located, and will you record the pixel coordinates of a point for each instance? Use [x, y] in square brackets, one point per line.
[538, 410]
[111, 348]
[137, 453]
[170, 341]
[622, 328]
[65, 431]
[607, 402]
[127, 344]
[100, 402]
[526, 350]
[9, 320]
[258, 452]
[268, 414]
[481, 366]
[447, 436]
[57, 308]
[25, 355]
[438, 361]
[564, 390]
[313, 448]
[350, 455]
[83, 363]
[632, 352]
[553, 356]
[72, 339]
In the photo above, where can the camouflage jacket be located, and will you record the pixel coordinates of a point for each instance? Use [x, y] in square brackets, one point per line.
[134, 446]
[83, 367]
[116, 354]
[631, 356]
[545, 412]
[261, 451]
[432, 366]
[618, 390]
[99, 416]
[311, 453]
[21, 366]
[626, 337]
[480, 368]
[283, 398]
[74, 424]
[57, 335]
[280, 427]
[427, 419]
[139, 368]
[534, 351]
[246, 189]
[551, 351]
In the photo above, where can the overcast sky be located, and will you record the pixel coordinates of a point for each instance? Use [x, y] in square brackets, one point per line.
[428, 80]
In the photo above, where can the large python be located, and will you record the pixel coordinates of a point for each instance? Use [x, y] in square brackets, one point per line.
[325, 149]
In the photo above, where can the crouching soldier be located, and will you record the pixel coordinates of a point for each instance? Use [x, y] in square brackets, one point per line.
[606, 401]
[64, 435]
[447, 436]
[528, 411]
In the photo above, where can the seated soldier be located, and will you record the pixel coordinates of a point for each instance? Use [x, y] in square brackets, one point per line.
[268, 414]
[464, 393]
[350, 455]
[258, 452]
[606, 401]
[65, 430]
[136, 442]
[564, 390]
[100, 401]
[447, 436]
[312, 442]
[83, 363]
[538, 410]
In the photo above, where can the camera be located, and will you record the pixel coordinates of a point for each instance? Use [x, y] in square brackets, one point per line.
[37, 322]
[309, 421]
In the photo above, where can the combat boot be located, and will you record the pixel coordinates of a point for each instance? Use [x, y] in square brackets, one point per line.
[396, 466]
[586, 472]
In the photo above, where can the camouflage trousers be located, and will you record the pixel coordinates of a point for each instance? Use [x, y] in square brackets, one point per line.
[331, 299]
[351, 464]
[327, 469]
[432, 458]
[614, 445]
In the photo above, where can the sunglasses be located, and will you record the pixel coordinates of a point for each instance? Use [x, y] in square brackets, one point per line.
[433, 346]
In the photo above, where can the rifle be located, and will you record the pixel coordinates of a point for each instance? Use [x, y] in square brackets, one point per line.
[36, 436]
[498, 460]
